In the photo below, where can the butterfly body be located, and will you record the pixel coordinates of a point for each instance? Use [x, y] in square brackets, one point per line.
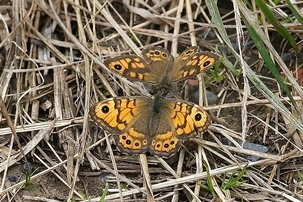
[158, 66]
[157, 125]
[144, 124]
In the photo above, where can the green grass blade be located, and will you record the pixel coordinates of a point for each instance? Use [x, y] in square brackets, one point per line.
[235, 180]
[104, 193]
[273, 20]
[217, 19]
[209, 185]
[268, 61]
[295, 12]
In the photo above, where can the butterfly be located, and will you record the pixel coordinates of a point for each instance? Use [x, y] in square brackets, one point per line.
[158, 66]
[156, 125]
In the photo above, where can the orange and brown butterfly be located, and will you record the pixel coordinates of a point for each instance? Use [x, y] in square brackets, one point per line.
[156, 125]
[158, 66]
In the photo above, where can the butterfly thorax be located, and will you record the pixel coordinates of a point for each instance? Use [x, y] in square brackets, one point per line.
[165, 80]
[157, 103]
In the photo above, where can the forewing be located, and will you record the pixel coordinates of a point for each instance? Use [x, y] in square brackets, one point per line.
[191, 62]
[123, 116]
[131, 67]
[187, 118]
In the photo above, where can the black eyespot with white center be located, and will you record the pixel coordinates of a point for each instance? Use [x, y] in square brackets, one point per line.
[117, 67]
[105, 109]
[198, 117]
[206, 63]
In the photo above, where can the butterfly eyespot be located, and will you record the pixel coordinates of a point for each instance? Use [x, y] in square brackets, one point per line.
[105, 109]
[164, 55]
[206, 64]
[172, 142]
[128, 142]
[198, 117]
[137, 144]
[124, 137]
[117, 67]
[158, 145]
[166, 145]
[157, 52]
[145, 142]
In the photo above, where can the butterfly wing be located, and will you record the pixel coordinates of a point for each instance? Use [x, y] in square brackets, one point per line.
[164, 142]
[131, 67]
[128, 118]
[151, 68]
[160, 62]
[187, 118]
[191, 62]
[180, 120]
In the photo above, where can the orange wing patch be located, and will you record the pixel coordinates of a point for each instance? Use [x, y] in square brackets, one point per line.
[115, 114]
[164, 143]
[132, 140]
[188, 118]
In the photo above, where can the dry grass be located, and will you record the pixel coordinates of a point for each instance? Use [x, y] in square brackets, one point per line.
[51, 65]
